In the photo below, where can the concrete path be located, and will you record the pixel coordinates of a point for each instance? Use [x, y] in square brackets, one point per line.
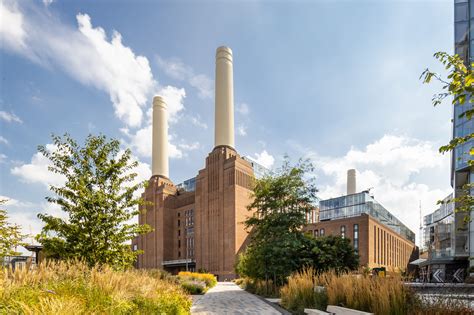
[228, 298]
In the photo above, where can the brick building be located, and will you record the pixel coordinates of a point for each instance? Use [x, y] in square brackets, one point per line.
[380, 239]
[198, 224]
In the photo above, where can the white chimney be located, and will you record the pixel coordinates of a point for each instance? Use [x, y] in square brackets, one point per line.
[224, 102]
[159, 163]
[351, 181]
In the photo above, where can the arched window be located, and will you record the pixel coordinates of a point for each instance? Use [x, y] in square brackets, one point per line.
[321, 232]
[316, 233]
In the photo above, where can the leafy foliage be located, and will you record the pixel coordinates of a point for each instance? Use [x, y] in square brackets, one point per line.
[10, 235]
[99, 199]
[460, 85]
[332, 253]
[280, 204]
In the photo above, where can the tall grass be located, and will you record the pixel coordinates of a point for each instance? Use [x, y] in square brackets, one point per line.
[208, 278]
[361, 292]
[259, 287]
[73, 288]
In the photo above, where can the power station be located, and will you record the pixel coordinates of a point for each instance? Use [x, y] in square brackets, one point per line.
[199, 226]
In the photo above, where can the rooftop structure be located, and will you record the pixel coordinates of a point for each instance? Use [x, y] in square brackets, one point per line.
[360, 203]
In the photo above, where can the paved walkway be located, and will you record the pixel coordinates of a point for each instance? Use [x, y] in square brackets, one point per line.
[228, 298]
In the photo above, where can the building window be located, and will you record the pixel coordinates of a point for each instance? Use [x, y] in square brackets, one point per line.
[135, 247]
[179, 232]
[179, 223]
[343, 231]
[356, 237]
[375, 245]
[179, 243]
[321, 232]
[316, 233]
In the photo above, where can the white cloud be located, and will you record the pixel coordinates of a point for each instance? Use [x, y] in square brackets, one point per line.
[402, 171]
[12, 31]
[242, 130]
[47, 2]
[177, 70]
[174, 98]
[3, 140]
[10, 117]
[37, 170]
[111, 66]
[264, 159]
[3, 158]
[243, 108]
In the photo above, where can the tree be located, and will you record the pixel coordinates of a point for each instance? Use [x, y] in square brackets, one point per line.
[280, 203]
[331, 253]
[99, 200]
[10, 235]
[459, 84]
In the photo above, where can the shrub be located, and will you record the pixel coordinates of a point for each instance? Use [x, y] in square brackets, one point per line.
[194, 287]
[208, 278]
[74, 288]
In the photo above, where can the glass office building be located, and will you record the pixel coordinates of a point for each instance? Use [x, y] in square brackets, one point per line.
[357, 204]
[461, 173]
[439, 232]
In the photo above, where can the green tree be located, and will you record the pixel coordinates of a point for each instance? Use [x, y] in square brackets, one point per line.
[331, 253]
[99, 200]
[458, 84]
[10, 235]
[280, 203]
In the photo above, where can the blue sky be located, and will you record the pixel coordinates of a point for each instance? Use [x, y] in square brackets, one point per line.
[334, 81]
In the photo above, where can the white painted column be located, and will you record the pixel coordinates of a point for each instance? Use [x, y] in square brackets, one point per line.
[224, 102]
[159, 146]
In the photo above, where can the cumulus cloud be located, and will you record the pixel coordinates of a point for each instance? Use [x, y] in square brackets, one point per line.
[12, 31]
[402, 172]
[177, 70]
[3, 140]
[264, 159]
[9, 117]
[37, 170]
[111, 66]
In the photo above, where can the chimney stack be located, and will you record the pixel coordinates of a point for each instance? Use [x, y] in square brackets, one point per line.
[159, 163]
[351, 181]
[224, 102]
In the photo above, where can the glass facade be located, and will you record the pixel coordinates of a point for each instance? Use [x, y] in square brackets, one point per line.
[461, 174]
[258, 169]
[463, 46]
[357, 204]
[439, 231]
[188, 185]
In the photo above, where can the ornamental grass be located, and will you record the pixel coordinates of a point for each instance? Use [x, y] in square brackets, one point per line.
[74, 288]
[378, 295]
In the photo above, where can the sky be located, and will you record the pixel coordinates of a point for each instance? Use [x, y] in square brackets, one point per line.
[333, 81]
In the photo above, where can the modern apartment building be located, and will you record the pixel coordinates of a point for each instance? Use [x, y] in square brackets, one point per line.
[380, 239]
[461, 172]
[439, 239]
